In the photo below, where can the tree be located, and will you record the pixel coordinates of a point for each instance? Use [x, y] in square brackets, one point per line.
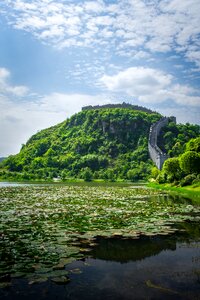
[133, 175]
[109, 174]
[193, 145]
[190, 162]
[154, 172]
[86, 174]
[172, 168]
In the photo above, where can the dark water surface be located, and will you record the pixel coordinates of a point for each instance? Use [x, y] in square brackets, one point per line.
[149, 267]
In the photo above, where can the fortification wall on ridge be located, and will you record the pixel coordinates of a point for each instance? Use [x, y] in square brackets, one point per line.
[155, 152]
[120, 105]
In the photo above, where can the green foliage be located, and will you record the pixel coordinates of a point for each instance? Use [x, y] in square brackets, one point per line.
[183, 169]
[86, 174]
[193, 145]
[188, 180]
[154, 172]
[109, 142]
[173, 138]
[112, 143]
[133, 175]
[172, 168]
[190, 162]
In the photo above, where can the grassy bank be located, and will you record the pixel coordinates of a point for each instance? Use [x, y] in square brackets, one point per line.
[191, 192]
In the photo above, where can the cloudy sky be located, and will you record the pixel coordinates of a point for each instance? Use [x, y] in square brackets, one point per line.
[59, 55]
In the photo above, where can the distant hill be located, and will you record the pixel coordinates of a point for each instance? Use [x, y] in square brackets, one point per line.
[106, 143]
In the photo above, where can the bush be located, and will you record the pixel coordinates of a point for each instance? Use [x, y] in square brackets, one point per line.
[133, 175]
[190, 162]
[172, 168]
[86, 174]
[162, 177]
[188, 180]
[154, 172]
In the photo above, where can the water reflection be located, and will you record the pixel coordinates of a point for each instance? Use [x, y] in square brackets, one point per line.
[148, 268]
[131, 250]
[42, 227]
[8, 184]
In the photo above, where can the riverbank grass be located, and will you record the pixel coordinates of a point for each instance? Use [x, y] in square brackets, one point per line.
[191, 191]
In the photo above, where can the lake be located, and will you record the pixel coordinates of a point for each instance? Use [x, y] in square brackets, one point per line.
[97, 241]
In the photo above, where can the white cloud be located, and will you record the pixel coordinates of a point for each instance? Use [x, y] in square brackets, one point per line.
[7, 88]
[19, 120]
[151, 86]
[141, 54]
[158, 26]
[137, 81]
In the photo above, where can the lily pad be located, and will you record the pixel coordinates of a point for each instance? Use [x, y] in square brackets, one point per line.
[61, 280]
[47, 227]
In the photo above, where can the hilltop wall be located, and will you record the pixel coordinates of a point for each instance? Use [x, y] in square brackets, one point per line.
[123, 105]
[155, 152]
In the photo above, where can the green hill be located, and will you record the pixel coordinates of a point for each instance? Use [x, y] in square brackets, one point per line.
[106, 143]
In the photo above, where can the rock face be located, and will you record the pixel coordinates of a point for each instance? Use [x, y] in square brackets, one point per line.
[155, 152]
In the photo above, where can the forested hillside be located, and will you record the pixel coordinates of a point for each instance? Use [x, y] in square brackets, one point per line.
[109, 143]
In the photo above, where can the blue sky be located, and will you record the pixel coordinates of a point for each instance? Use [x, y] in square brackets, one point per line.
[59, 55]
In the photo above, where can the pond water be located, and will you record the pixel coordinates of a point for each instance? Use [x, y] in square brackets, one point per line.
[7, 184]
[97, 242]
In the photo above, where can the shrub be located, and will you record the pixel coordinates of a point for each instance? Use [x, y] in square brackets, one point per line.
[133, 175]
[154, 172]
[190, 162]
[86, 174]
[162, 177]
[188, 180]
[172, 168]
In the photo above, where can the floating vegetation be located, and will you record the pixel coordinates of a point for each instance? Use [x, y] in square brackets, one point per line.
[44, 228]
[163, 289]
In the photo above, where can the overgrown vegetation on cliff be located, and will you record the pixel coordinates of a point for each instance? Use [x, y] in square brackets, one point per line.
[103, 143]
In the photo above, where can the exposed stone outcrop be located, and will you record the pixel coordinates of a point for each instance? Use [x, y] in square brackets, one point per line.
[155, 152]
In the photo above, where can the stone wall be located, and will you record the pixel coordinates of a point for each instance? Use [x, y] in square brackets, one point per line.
[155, 152]
[122, 105]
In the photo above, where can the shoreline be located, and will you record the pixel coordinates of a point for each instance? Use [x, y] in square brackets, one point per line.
[191, 192]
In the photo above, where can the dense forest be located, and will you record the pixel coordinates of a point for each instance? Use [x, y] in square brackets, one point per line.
[108, 143]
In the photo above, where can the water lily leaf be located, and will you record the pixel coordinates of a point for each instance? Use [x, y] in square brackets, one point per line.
[61, 280]
[163, 289]
[5, 284]
[76, 271]
[38, 280]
